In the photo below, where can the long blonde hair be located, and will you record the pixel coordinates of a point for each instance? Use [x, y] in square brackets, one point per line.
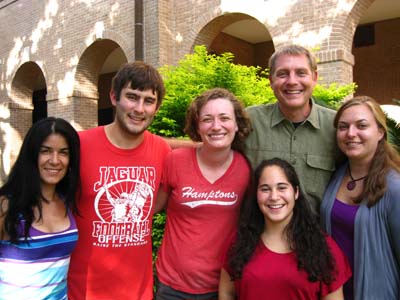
[385, 157]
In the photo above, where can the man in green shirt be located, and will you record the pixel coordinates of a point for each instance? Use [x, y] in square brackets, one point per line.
[295, 128]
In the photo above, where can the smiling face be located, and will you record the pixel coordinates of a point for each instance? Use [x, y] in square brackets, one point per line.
[358, 133]
[217, 123]
[135, 110]
[293, 82]
[276, 196]
[53, 160]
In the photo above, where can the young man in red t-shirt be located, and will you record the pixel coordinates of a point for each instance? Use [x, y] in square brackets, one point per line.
[121, 165]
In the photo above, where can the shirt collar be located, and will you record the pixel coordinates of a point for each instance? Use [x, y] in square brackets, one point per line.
[313, 118]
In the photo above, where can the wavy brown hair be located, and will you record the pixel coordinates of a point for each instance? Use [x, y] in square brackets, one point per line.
[385, 157]
[242, 119]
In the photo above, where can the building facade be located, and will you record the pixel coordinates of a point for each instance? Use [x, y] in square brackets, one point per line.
[57, 57]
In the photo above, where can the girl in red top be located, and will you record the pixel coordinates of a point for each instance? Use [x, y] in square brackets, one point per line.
[280, 251]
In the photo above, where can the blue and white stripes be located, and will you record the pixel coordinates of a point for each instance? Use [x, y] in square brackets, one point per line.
[37, 269]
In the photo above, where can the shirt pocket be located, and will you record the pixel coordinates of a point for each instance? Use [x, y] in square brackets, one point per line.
[321, 169]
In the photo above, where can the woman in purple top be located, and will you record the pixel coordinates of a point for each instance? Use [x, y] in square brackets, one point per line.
[361, 205]
[37, 228]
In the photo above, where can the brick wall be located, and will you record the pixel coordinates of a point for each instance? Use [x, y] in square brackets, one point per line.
[377, 67]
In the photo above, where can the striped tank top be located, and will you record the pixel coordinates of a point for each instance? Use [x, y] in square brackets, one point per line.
[37, 270]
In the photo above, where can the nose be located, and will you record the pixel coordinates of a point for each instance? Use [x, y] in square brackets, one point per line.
[215, 124]
[291, 77]
[274, 194]
[139, 106]
[351, 131]
[54, 157]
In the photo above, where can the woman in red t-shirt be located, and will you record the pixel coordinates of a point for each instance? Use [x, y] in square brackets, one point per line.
[280, 251]
[202, 189]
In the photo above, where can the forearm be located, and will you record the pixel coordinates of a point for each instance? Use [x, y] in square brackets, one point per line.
[175, 143]
[226, 289]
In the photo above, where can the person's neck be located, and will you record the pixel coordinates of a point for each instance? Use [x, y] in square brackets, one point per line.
[275, 239]
[359, 169]
[48, 192]
[296, 115]
[122, 139]
[214, 157]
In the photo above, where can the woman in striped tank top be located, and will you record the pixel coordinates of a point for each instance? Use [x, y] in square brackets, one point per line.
[37, 228]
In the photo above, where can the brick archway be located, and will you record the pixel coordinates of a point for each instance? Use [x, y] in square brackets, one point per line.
[245, 52]
[16, 116]
[85, 95]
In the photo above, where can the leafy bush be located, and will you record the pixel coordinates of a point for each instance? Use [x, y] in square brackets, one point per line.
[198, 72]
[333, 94]
[158, 231]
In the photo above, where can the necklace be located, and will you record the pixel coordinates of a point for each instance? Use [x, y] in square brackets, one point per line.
[351, 185]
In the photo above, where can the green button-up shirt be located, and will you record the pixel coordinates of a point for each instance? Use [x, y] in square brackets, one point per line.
[310, 147]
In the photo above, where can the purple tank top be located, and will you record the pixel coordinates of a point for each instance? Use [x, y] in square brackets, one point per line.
[342, 218]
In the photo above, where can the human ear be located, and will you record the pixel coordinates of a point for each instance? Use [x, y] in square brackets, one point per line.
[296, 193]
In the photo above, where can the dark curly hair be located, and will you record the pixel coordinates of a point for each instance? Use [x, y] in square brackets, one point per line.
[22, 189]
[303, 232]
[242, 119]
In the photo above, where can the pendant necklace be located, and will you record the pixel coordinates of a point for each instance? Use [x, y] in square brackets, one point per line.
[351, 185]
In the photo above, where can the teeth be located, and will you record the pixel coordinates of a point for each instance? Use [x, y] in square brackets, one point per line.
[216, 135]
[136, 118]
[276, 206]
[293, 92]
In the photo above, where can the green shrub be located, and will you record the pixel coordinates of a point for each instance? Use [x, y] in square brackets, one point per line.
[198, 72]
[333, 94]
[158, 231]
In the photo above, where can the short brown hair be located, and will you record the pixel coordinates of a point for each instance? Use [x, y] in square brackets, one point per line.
[292, 50]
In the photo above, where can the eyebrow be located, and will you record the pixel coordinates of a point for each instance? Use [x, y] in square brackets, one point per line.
[221, 114]
[357, 121]
[48, 147]
[296, 69]
[278, 184]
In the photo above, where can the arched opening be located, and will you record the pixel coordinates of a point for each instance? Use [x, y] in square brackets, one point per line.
[39, 105]
[110, 67]
[244, 36]
[96, 67]
[28, 94]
